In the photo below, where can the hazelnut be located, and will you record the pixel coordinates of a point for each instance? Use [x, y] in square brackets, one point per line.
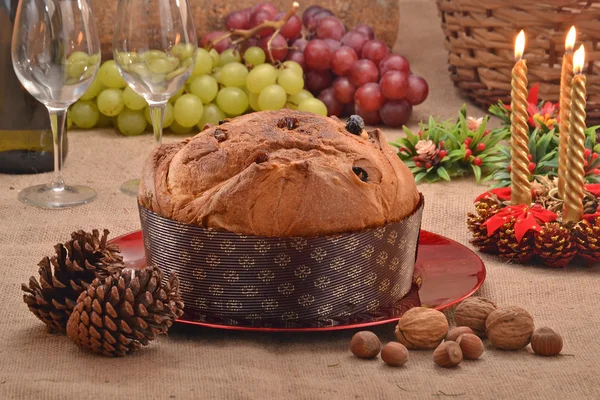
[447, 355]
[456, 332]
[546, 342]
[471, 346]
[394, 354]
[473, 313]
[422, 328]
[509, 328]
[365, 344]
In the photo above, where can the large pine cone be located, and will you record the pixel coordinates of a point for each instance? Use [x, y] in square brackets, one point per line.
[119, 314]
[66, 274]
[555, 245]
[587, 237]
[510, 249]
[484, 210]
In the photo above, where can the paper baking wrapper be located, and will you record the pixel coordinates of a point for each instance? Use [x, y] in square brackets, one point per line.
[237, 279]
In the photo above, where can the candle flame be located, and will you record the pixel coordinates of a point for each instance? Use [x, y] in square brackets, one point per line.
[520, 45]
[570, 42]
[579, 60]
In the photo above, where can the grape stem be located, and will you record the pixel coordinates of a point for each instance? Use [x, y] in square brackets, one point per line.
[245, 34]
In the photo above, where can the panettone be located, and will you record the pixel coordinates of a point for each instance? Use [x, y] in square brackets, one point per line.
[279, 173]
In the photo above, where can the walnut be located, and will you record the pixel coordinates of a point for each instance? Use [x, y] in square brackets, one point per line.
[510, 328]
[422, 328]
[473, 313]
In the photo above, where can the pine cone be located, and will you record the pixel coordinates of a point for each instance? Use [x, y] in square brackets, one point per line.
[484, 210]
[510, 249]
[587, 237]
[555, 245]
[66, 274]
[427, 150]
[121, 313]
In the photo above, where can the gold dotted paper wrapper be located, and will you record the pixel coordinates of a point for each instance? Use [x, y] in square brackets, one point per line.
[288, 281]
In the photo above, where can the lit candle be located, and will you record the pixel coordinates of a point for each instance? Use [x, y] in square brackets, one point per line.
[573, 205]
[519, 132]
[565, 110]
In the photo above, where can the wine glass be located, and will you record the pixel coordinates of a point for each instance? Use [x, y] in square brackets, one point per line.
[56, 53]
[154, 47]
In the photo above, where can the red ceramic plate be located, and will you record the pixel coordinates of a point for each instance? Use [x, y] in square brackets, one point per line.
[450, 273]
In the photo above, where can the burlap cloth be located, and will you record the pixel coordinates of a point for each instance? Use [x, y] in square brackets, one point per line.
[195, 363]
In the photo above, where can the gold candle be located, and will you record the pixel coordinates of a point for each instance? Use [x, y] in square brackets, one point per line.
[573, 204]
[519, 131]
[565, 110]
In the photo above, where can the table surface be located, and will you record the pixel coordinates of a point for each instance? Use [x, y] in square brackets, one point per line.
[201, 363]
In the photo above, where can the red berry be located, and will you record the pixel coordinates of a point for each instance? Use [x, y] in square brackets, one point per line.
[468, 153]
[594, 156]
[415, 159]
[441, 143]
[509, 168]
[587, 153]
[481, 146]
[596, 172]
[418, 164]
[428, 165]
[530, 157]
[443, 153]
[532, 166]
[486, 132]
[477, 161]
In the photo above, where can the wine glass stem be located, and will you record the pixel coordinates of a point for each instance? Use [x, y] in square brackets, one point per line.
[157, 112]
[58, 118]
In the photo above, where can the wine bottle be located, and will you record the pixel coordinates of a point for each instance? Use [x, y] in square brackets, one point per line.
[25, 135]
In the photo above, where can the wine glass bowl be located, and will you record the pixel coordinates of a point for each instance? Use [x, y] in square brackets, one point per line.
[154, 48]
[55, 51]
[55, 54]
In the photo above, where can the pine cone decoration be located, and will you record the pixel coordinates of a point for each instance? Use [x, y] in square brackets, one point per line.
[484, 210]
[587, 237]
[555, 245]
[66, 274]
[119, 314]
[427, 151]
[510, 249]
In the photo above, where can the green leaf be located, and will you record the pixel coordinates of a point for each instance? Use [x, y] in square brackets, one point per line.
[420, 176]
[502, 175]
[410, 136]
[442, 173]
[477, 172]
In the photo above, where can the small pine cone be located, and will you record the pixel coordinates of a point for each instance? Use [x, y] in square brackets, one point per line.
[510, 249]
[427, 150]
[555, 245]
[484, 210]
[587, 237]
[67, 273]
[121, 313]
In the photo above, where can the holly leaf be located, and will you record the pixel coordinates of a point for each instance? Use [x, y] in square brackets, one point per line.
[442, 173]
[477, 172]
[420, 176]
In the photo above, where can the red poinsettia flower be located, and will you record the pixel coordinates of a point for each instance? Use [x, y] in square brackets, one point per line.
[546, 115]
[526, 219]
[593, 188]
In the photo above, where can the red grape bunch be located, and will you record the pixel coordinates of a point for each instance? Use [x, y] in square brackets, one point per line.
[352, 71]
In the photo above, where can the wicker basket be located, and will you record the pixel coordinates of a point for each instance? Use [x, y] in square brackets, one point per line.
[480, 37]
